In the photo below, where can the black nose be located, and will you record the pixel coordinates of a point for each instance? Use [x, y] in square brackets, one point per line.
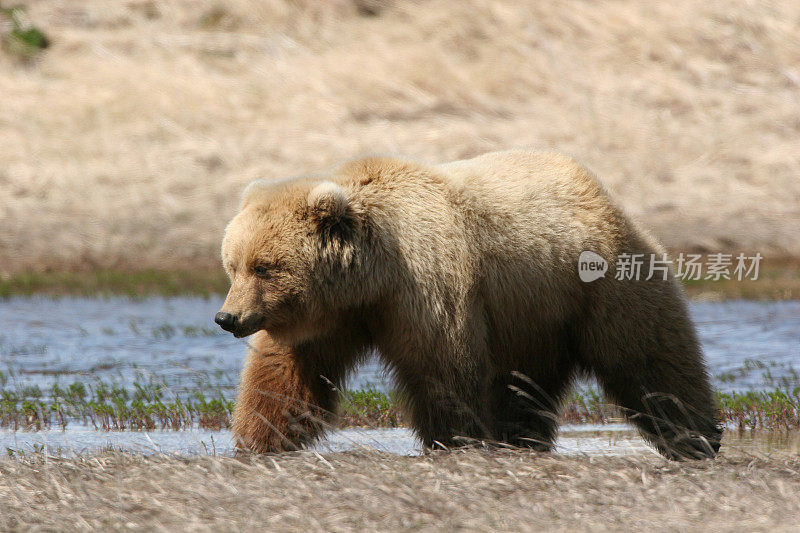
[226, 320]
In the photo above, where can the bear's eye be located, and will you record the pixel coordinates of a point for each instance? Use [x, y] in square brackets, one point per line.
[262, 271]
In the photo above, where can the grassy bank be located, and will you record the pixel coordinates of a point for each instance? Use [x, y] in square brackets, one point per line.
[151, 405]
[687, 111]
[779, 279]
[131, 283]
[464, 490]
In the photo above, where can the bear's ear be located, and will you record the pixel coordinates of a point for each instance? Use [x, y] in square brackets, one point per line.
[255, 191]
[328, 203]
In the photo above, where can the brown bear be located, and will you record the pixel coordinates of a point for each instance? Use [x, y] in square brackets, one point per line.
[464, 277]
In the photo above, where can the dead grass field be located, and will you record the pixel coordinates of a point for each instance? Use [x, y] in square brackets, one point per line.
[127, 142]
[368, 491]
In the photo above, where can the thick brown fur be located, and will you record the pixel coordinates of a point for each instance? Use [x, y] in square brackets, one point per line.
[464, 278]
[287, 394]
[277, 406]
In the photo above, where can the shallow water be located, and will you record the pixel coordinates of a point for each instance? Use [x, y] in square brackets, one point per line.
[748, 344]
[613, 439]
[588, 439]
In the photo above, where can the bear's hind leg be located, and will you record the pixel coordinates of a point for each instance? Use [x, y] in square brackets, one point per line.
[648, 360]
[678, 426]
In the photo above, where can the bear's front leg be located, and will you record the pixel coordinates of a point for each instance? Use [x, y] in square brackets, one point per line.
[281, 404]
[447, 404]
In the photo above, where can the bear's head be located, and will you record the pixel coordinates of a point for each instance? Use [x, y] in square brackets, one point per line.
[294, 257]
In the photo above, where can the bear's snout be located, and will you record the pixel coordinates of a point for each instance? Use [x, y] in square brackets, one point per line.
[238, 324]
[226, 321]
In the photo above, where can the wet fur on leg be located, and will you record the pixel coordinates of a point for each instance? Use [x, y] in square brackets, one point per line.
[278, 409]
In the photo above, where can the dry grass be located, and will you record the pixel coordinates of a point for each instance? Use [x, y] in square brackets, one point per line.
[126, 143]
[463, 490]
